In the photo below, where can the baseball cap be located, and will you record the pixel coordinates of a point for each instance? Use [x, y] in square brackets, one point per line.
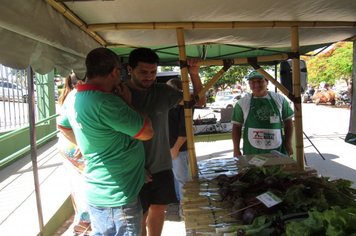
[255, 75]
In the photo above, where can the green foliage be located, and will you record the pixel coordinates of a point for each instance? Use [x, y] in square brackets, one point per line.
[168, 68]
[335, 221]
[332, 65]
[319, 197]
[210, 99]
[233, 75]
[259, 227]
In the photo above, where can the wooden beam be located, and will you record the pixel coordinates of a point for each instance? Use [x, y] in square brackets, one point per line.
[187, 111]
[211, 82]
[273, 81]
[220, 25]
[67, 13]
[84, 0]
[298, 122]
[244, 61]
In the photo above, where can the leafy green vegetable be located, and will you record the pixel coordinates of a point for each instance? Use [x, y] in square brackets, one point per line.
[331, 204]
[335, 221]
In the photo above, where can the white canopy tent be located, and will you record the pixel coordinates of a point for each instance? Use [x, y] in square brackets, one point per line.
[34, 33]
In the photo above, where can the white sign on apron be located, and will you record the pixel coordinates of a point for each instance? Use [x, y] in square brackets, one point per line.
[264, 138]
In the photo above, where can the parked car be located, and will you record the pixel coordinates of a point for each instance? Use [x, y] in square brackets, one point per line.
[228, 101]
[56, 94]
[222, 94]
[11, 92]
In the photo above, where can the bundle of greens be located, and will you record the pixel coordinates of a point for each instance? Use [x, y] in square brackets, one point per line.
[303, 197]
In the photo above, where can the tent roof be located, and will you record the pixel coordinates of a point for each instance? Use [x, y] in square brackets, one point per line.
[61, 32]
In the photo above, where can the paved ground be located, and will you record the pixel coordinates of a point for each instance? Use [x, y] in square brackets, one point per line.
[326, 128]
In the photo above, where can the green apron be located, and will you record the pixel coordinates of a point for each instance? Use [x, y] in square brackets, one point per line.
[263, 127]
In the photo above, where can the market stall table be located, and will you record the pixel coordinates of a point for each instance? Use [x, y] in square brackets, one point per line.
[203, 210]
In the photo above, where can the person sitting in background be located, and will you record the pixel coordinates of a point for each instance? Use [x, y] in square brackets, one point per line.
[264, 116]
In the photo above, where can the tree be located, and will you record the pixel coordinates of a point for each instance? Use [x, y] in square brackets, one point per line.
[168, 68]
[332, 65]
[229, 79]
[340, 62]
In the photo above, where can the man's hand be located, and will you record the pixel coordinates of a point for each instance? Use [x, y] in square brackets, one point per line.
[77, 154]
[237, 153]
[289, 148]
[148, 177]
[124, 92]
[177, 145]
[288, 132]
[236, 137]
[174, 153]
[193, 70]
[193, 67]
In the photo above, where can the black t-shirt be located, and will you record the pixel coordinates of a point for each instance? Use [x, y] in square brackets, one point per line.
[177, 126]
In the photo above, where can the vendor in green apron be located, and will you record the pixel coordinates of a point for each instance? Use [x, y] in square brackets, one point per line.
[263, 119]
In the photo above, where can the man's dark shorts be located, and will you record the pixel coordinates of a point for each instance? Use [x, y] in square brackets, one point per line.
[159, 191]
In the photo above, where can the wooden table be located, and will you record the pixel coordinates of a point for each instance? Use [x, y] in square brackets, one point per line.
[202, 209]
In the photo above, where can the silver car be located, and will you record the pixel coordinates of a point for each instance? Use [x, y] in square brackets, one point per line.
[228, 101]
[11, 92]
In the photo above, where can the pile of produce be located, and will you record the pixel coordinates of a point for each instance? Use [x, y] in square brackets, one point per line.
[310, 205]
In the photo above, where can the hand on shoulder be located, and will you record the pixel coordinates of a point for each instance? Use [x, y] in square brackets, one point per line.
[193, 66]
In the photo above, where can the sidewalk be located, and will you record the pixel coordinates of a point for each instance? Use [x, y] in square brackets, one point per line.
[18, 211]
[326, 128]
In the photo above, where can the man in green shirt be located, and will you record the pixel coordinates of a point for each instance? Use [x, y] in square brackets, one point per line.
[264, 115]
[108, 133]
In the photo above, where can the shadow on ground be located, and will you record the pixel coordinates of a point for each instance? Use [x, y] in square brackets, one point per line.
[215, 155]
[329, 167]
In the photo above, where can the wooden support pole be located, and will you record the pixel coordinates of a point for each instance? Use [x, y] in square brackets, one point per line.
[298, 123]
[67, 13]
[31, 119]
[244, 61]
[352, 124]
[239, 61]
[217, 25]
[187, 111]
[273, 81]
[211, 82]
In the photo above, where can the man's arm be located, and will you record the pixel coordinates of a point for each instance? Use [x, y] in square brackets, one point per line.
[146, 132]
[288, 132]
[177, 145]
[193, 70]
[67, 133]
[236, 137]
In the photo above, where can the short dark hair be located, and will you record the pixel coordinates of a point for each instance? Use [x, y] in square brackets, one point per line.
[146, 55]
[100, 62]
